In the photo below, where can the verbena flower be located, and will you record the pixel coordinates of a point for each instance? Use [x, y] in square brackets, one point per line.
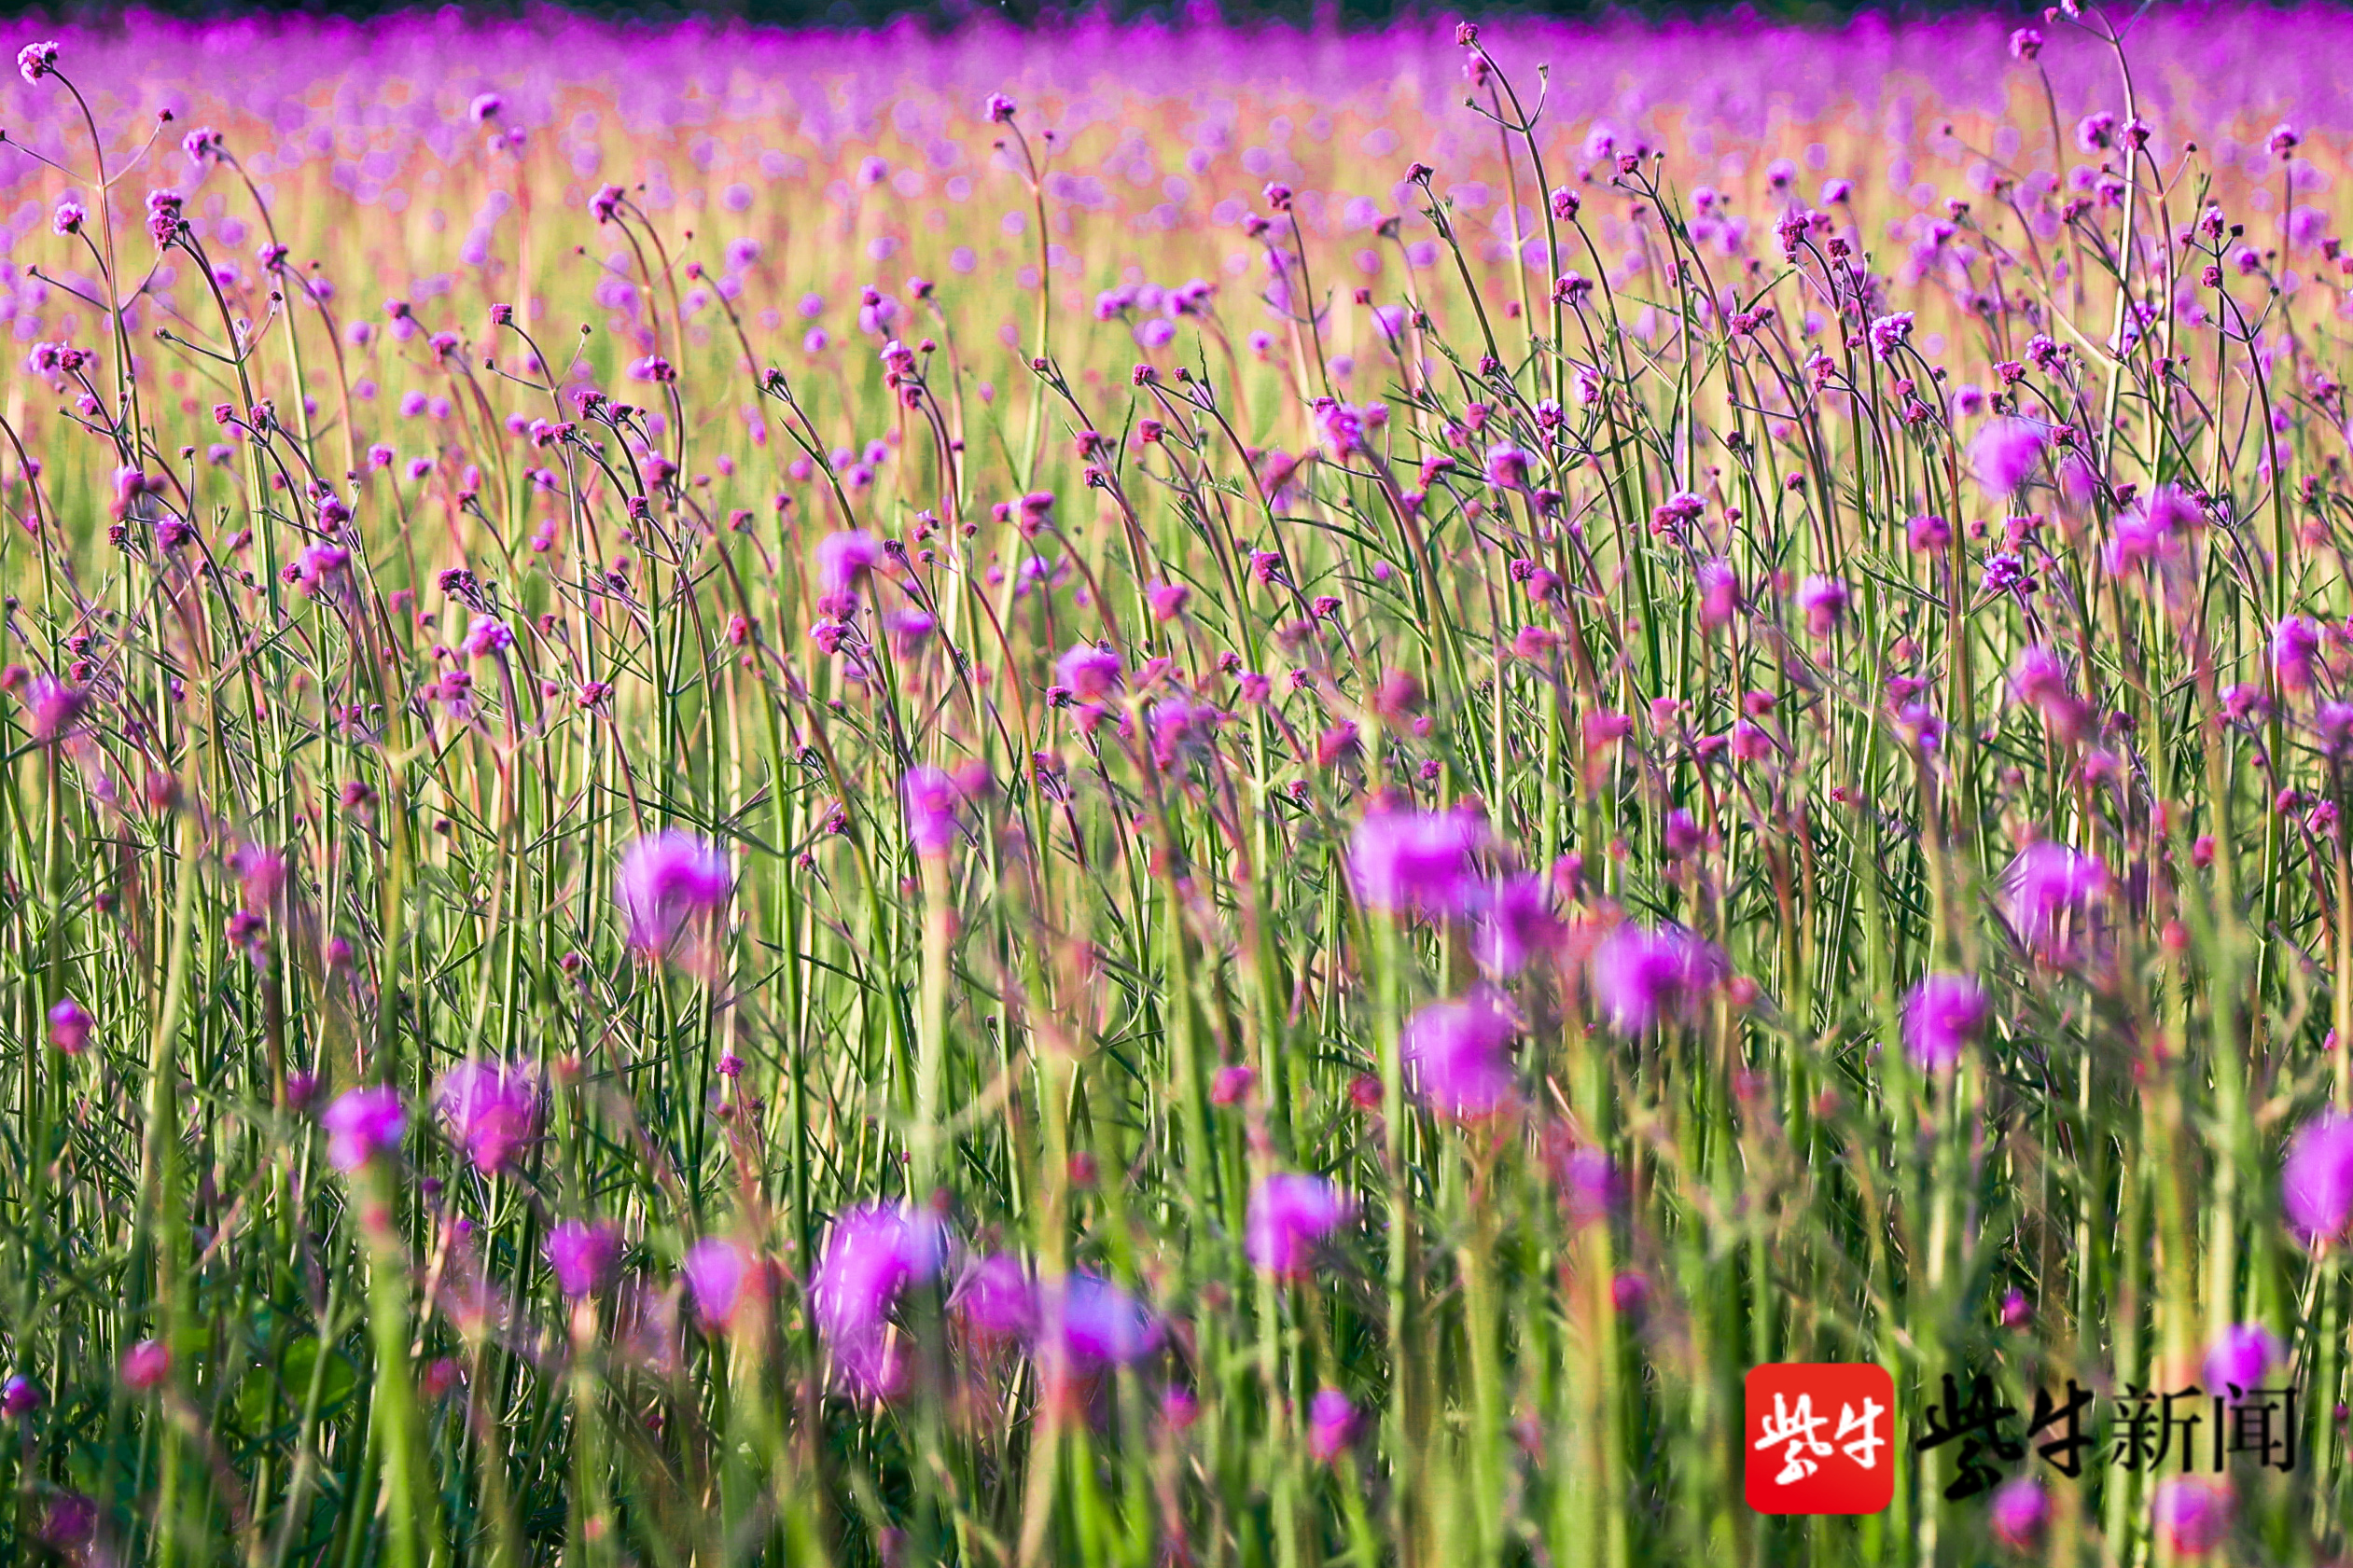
[2018, 1511]
[70, 1025]
[2316, 1188]
[2243, 1355]
[667, 881]
[716, 1271]
[1407, 862]
[873, 1253]
[583, 1254]
[1642, 977]
[362, 1124]
[2049, 895]
[492, 1110]
[2193, 1513]
[1291, 1214]
[1332, 1424]
[2005, 453]
[1456, 1055]
[1088, 1323]
[1941, 1018]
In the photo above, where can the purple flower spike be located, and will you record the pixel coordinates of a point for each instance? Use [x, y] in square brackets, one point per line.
[2243, 1355]
[492, 1111]
[1941, 1017]
[1642, 976]
[2316, 1187]
[1290, 1217]
[1416, 861]
[668, 880]
[1458, 1055]
[361, 1124]
[715, 1269]
[584, 1254]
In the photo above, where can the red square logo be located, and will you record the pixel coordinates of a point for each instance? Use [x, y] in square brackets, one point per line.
[1821, 1438]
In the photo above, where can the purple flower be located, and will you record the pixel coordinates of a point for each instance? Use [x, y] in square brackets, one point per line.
[361, 1124]
[2004, 455]
[2025, 43]
[843, 562]
[667, 881]
[1167, 600]
[1407, 861]
[492, 1110]
[2242, 1356]
[2316, 1188]
[1331, 1425]
[485, 107]
[1514, 922]
[1092, 674]
[584, 1256]
[145, 1366]
[2193, 1513]
[487, 636]
[931, 810]
[2019, 1509]
[874, 1251]
[35, 61]
[2048, 892]
[69, 1024]
[54, 706]
[1823, 602]
[1088, 1323]
[1457, 1057]
[19, 1398]
[1000, 110]
[1640, 976]
[1507, 467]
[2295, 644]
[714, 1269]
[1891, 332]
[1291, 1215]
[996, 1302]
[1941, 1017]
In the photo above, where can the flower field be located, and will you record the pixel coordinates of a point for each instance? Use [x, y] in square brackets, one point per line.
[1168, 794]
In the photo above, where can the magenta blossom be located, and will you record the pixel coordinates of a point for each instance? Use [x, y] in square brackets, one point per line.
[145, 1366]
[2316, 1188]
[996, 1302]
[1092, 674]
[1332, 1424]
[843, 562]
[931, 810]
[361, 1124]
[2018, 1512]
[1291, 1215]
[1089, 1323]
[492, 1110]
[873, 1254]
[1416, 861]
[2295, 648]
[2242, 1356]
[1941, 1018]
[2004, 455]
[584, 1256]
[2192, 1512]
[1642, 977]
[1823, 602]
[70, 1025]
[2048, 894]
[1458, 1055]
[668, 880]
[1514, 922]
[715, 1269]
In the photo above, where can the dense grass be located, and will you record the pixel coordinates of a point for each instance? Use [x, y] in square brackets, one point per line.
[1069, 916]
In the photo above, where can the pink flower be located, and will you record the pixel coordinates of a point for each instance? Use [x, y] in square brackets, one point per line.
[872, 1254]
[2192, 1512]
[1640, 976]
[715, 1269]
[2316, 1188]
[35, 61]
[1415, 861]
[2048, 894]
[1823, 602]
[584, 1256]
[2242, 1356]
[2019, 1509]
[1289, 1216]
[145, 1366]
[996, 1302]
[486, 636]
[931, 810]
[843, 562]
[1457, 1058]
[1167, 600]
[69, 1024]
[668, 880]
[1514, 922]
[2004, 455]
[1941, 1018]
[361, 1124]
[492, 1110]
[1332, 1424]
[1092, 674]
[2295, 646]
[1089, 1323]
